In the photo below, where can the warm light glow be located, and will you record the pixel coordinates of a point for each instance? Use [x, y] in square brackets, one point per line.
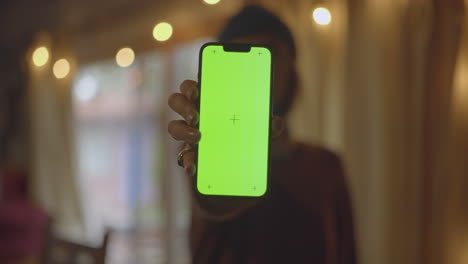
[211, 2]
[322, 16]
[460, 89]
[61, 68]
[40, 56]
[125, 57]
[162, 31]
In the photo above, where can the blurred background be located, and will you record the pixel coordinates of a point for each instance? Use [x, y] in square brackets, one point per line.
[85, 156]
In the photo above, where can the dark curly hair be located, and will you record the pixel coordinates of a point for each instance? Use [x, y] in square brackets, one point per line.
[254, 19]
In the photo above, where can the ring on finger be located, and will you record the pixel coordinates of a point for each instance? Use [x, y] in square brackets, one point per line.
[180, 157]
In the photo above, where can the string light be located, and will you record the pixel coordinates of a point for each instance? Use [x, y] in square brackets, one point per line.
[40, 56]
[211, 2]
[322, 16]
[61, 68]
[162, 31]
[125, 57]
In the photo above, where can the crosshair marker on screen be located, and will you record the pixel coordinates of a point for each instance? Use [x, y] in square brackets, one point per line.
[234, 119]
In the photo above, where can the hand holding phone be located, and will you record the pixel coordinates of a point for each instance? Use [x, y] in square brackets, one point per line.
[185, 103]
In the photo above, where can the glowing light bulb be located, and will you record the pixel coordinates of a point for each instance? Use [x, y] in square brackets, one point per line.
[40, 56]
[125, 57]
[211, 2]
[162, 31]
[61, 68]
[322, 16]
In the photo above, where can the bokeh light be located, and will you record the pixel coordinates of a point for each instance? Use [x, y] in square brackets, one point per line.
[125, 57]
[61, 68]
[211, 2]
[322, 16]
[162, 31]
[40, 56]
[85, 88]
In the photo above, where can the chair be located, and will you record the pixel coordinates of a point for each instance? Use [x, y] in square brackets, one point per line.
[59, 251]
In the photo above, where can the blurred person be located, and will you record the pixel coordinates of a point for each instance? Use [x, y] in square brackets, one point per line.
[307, 216]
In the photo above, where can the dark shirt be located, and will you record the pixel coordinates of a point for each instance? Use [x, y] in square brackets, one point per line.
[306, 218]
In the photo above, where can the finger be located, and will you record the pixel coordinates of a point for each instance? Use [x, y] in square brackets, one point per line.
[189, 163]
[189, 89]
[278, 126]
[179, 130]
[180, 104]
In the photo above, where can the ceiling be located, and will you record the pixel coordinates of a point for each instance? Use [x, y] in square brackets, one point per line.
[21, 19]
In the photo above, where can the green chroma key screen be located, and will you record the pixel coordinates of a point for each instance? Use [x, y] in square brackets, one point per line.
[235, 113]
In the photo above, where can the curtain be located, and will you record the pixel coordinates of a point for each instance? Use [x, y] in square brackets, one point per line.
[54, 185]
[376, 88]
[445, 140]
[455, 214]
[383, 126]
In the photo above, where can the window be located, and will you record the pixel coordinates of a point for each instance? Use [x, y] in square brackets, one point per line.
[126, 161]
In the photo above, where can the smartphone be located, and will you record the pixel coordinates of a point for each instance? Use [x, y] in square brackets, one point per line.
[235, 119]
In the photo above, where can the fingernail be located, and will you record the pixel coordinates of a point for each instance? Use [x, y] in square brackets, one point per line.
[192, 119]
[195, 118]
[194, 135]
[189, 119]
